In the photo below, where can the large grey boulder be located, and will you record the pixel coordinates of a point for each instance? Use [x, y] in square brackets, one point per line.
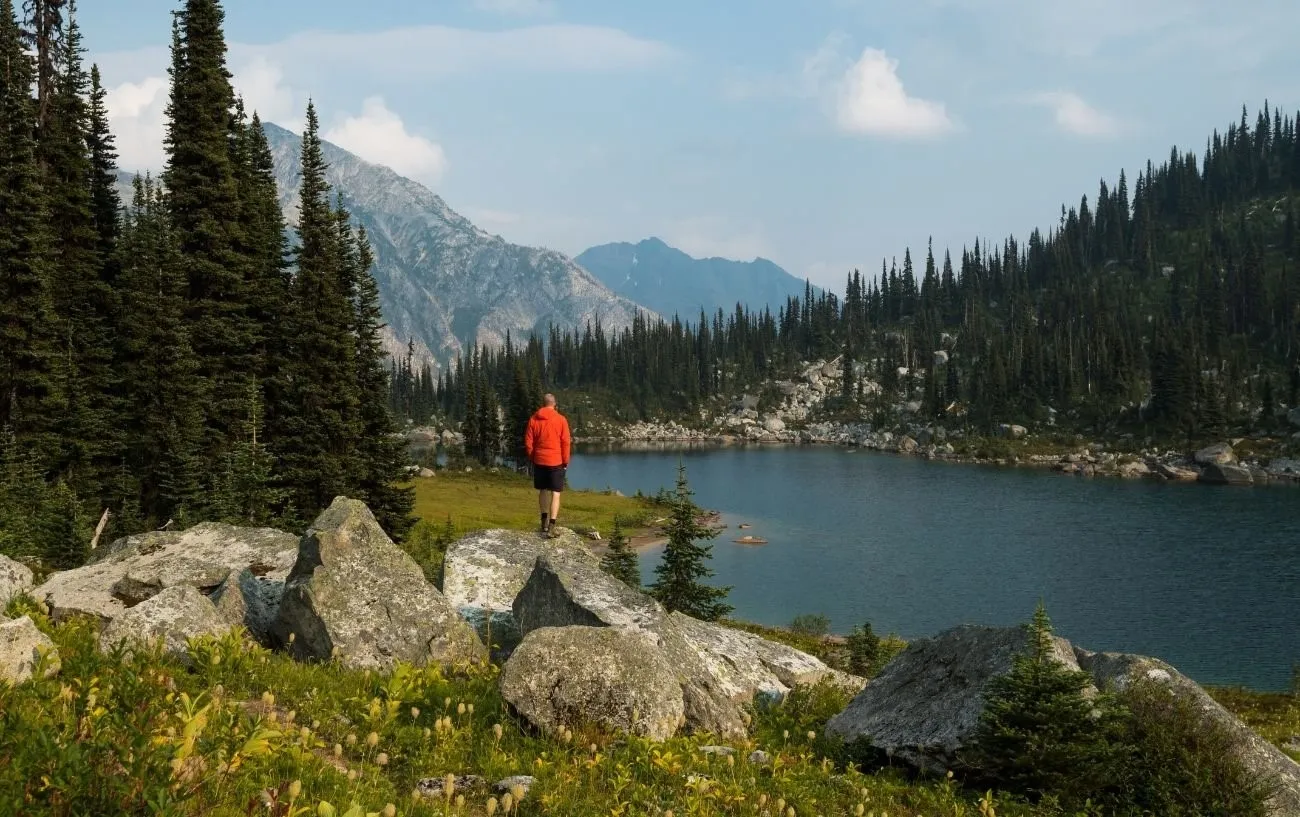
[173, 616]
[136, 568]
[1227, 475]
[924, 705]
[568, 677]
[720, 670]
[21, 648]
[483, 573]
[355, 594]
[1217, 454]
[1120, 670]
[15, 579]
[250, 601]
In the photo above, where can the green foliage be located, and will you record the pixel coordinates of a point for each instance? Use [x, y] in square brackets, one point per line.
[621, 560]
[865, 651]
[1039, 734]
[679, 573]
[245, 493]
[427, 543]
[814, 624]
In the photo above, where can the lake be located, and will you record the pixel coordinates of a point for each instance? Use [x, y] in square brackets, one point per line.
[1204, 577]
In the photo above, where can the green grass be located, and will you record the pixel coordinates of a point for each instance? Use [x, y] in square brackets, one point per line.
[480, 500]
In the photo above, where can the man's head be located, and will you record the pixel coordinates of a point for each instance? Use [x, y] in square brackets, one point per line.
[548, 400]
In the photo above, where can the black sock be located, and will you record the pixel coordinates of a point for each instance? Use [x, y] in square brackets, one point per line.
[544, 517]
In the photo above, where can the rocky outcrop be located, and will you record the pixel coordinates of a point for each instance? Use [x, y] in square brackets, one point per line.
[354, 594]
[1227, 475]
[719, 670]
[484, 572]
[567, 677]
[925, 704]
[173, 616]
[15, 579]
[1217, 454]
[136, 568]
[1119, 671]
[250, 601]
[22, 646]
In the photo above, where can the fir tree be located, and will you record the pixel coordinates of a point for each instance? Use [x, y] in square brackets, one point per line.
[105, 204]
[621, 560]
[30, 378]
[246, 493]
[684, 564]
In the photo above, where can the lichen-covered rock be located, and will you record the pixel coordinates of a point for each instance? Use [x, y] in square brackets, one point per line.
[21, 647]
[484, 572]
[563, 592]
[1227, 475]
[1119, 671]
[354, 593]
[135, 568]
[924, 705]
[250, 601]
[1217, 454]
[175, 615]
[15, 579]
[609, 677]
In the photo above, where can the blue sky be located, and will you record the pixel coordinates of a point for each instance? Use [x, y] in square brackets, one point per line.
[822, 134]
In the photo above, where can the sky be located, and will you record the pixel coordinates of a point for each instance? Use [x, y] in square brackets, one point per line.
[825, 135]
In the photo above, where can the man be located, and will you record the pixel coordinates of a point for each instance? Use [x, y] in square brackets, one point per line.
[547, 442]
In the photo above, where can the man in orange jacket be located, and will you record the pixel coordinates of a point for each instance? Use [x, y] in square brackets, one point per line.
[547, 442]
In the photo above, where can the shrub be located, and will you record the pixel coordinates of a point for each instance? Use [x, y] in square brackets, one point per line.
[864, 650]
[813, 624]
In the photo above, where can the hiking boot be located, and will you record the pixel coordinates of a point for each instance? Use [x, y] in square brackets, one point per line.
[552, 532]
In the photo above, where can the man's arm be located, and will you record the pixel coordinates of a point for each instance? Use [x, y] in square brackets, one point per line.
[528, 440]
[565, 441]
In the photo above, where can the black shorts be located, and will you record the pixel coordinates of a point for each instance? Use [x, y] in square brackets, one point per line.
[549, 478]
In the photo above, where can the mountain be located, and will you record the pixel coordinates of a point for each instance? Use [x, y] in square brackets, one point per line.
[669, 281]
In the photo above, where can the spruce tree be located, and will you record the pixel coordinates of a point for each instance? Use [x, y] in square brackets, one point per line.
[684, 564]
[245, 492]
[621, 560]
[161, 415]
[316, 442]
[106, 206]
[203, 199]
[30, 378]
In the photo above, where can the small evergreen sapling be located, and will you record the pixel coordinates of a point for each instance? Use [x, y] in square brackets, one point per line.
[621, 561]
[684, 563]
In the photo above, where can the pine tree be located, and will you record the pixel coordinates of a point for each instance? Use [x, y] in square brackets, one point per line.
[161, 416]
[203, 199]
[246, 493]
[1038, 732]
[381, 452]
[30, 377]
[684, 564]
[105, 204]
[316, 442]
[621, 560]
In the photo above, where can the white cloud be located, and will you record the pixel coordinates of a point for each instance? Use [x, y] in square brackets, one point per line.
[716, 236]
[517, 8]
[261, 83]
[1073, 115]
[137, 119]
[378, 135]
[871, 100]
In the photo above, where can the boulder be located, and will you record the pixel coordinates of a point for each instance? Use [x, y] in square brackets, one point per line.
[1217, 454]
[1175, 472]
[21, 648]
[1012, 431]
[748, 402]
[1133, 470]
[355, 594]
[1118, 671]
[924, 705]
[250, 601]
[1226, 475]
[614, 678]
[906, 445]
[136, 568]
[775, 425]
[174, 616]
[15, 579]
[426, 473]
[483, 573]
[563, 592]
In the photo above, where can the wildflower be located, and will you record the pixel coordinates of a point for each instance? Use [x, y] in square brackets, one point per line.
[216, 659]
[446, 703]
[786, 734]
[304, 733]
[427, 732]
[668, 813]
[295, 789]
[491, 806]
[352, 775]
[762, 800]
[593, 749]
[338, 750]
[449, 785]
[415, 712]
[780, 805]
[372, 740]
[812, 735]
[382, 759]
[859, 809]
[789, 812]
[470, 708]
[325, 810]
[352, 740]
[517, 790]
[268, 699]
[460, 801]
[292, 637]
[731, 760]
[390, 810]
[496, 731]
[315, 725]
[507, 800]
[460, 708]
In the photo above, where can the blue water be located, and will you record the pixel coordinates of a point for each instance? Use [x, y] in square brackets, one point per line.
[1204, 577]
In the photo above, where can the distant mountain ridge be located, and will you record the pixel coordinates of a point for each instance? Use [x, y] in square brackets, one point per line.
[669, 281]
[443, 282]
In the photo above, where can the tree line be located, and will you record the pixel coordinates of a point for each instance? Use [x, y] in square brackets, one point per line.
[1173, 305]
[173, 358]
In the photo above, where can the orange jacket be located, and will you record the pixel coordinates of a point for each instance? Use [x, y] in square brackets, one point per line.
[547, 439]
